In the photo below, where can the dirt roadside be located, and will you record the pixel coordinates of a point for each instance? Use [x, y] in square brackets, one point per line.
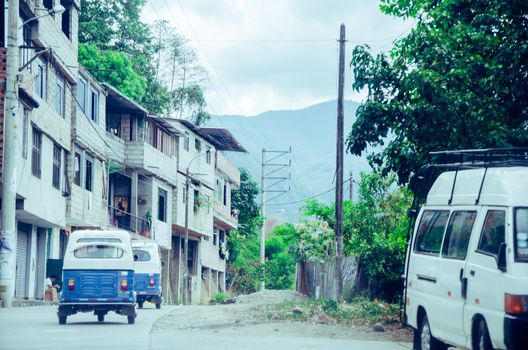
[248, 315]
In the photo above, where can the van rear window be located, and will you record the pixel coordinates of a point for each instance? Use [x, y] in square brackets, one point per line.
[521, 234]
[98, 251]
[431, 231]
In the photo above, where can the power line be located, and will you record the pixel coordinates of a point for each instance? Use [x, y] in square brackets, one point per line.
[312, 197]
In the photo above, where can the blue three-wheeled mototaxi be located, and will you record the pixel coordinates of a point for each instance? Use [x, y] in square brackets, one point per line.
[98, 275]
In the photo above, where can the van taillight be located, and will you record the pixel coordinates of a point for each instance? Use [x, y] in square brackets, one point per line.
[515, 304]
[151, 281]
[71, 284]
[124, 284]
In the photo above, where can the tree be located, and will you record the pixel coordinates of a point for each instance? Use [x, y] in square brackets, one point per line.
[116, 26]
[243, 266]
[244, 200]
[114, 68]
[456, 81]
[374, 231]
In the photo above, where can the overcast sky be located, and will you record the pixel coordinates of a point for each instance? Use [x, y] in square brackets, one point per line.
[275, 54]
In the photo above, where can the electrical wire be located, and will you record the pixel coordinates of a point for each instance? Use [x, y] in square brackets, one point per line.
[312, 197]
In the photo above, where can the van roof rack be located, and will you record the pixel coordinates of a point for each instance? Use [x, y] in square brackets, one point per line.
[439, 162]
[479, 158]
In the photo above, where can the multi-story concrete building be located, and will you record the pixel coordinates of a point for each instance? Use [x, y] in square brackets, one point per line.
[48, 73]
[209, 215]
[90, 157]
[142, 171]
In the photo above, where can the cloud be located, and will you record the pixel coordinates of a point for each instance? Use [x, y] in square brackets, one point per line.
[274, 54]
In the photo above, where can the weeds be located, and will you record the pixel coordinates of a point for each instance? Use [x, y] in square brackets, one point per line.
[359, 311]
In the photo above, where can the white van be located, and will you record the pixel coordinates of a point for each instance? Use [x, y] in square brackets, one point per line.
[147, 268]
[466, 274]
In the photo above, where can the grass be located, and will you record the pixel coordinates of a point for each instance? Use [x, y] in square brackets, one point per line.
[360, 311]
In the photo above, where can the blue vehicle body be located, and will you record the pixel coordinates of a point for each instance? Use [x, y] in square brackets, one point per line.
[98, 275]
[147, 267]
[148, 287]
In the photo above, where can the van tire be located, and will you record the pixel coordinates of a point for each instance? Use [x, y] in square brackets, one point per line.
[481, 339]
[423, 336]
[100, 317]
[62, 319]
[131, 319]
[140, 305]
[158, 306]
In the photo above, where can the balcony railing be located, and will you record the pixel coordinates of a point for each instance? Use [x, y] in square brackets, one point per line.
[126, 221]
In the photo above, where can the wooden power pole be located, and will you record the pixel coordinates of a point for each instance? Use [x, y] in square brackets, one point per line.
[339, 168]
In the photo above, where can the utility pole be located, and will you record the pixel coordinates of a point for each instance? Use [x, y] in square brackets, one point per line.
[186, 241]
[276, 167]
[339, 168]
[263, 215]
[8, 233]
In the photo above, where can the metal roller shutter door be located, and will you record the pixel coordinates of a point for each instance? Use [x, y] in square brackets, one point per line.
[21, 264]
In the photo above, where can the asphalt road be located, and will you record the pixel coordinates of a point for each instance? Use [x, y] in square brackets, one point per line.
[189, 327]
[37, 327]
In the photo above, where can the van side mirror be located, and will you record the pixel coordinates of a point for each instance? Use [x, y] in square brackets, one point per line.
[501, 258]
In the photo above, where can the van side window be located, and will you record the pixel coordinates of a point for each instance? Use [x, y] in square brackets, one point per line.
[142, 255]
[458, 233]
[431, 231]
[521, 234]
[492, 233]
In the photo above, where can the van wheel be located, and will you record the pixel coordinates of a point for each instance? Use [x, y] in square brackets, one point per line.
[424, 340]
[131, 319]
[62, 319]
[482, 340]
[158, 306]
[100, 317]
[140, 305]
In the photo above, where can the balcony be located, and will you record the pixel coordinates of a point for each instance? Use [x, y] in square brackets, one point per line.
[126, 221]
[223, 217]
[224, 166]
[142, 155]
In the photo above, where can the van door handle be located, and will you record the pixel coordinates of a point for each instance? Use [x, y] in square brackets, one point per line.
[472, 272]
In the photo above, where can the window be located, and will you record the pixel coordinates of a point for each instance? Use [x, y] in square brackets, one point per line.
[81, 94]
[98, 251]
[214, 238]
[225, 194]
[184, 194]
[25, 53]
[208, 155]
[94, 105]
[35, 154]
[430, 231]
[66, 19]
[218, 191]
[56, 166]
[492, 233]
[89, 173]
[59, 97]
[521, 234]
[66, 190]
[40, 79]
[25, 132]
[162, 205]
[458, 232]
[198, 145]
[186, 140]
[77, 168]
[48, 4]
[141, 255]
